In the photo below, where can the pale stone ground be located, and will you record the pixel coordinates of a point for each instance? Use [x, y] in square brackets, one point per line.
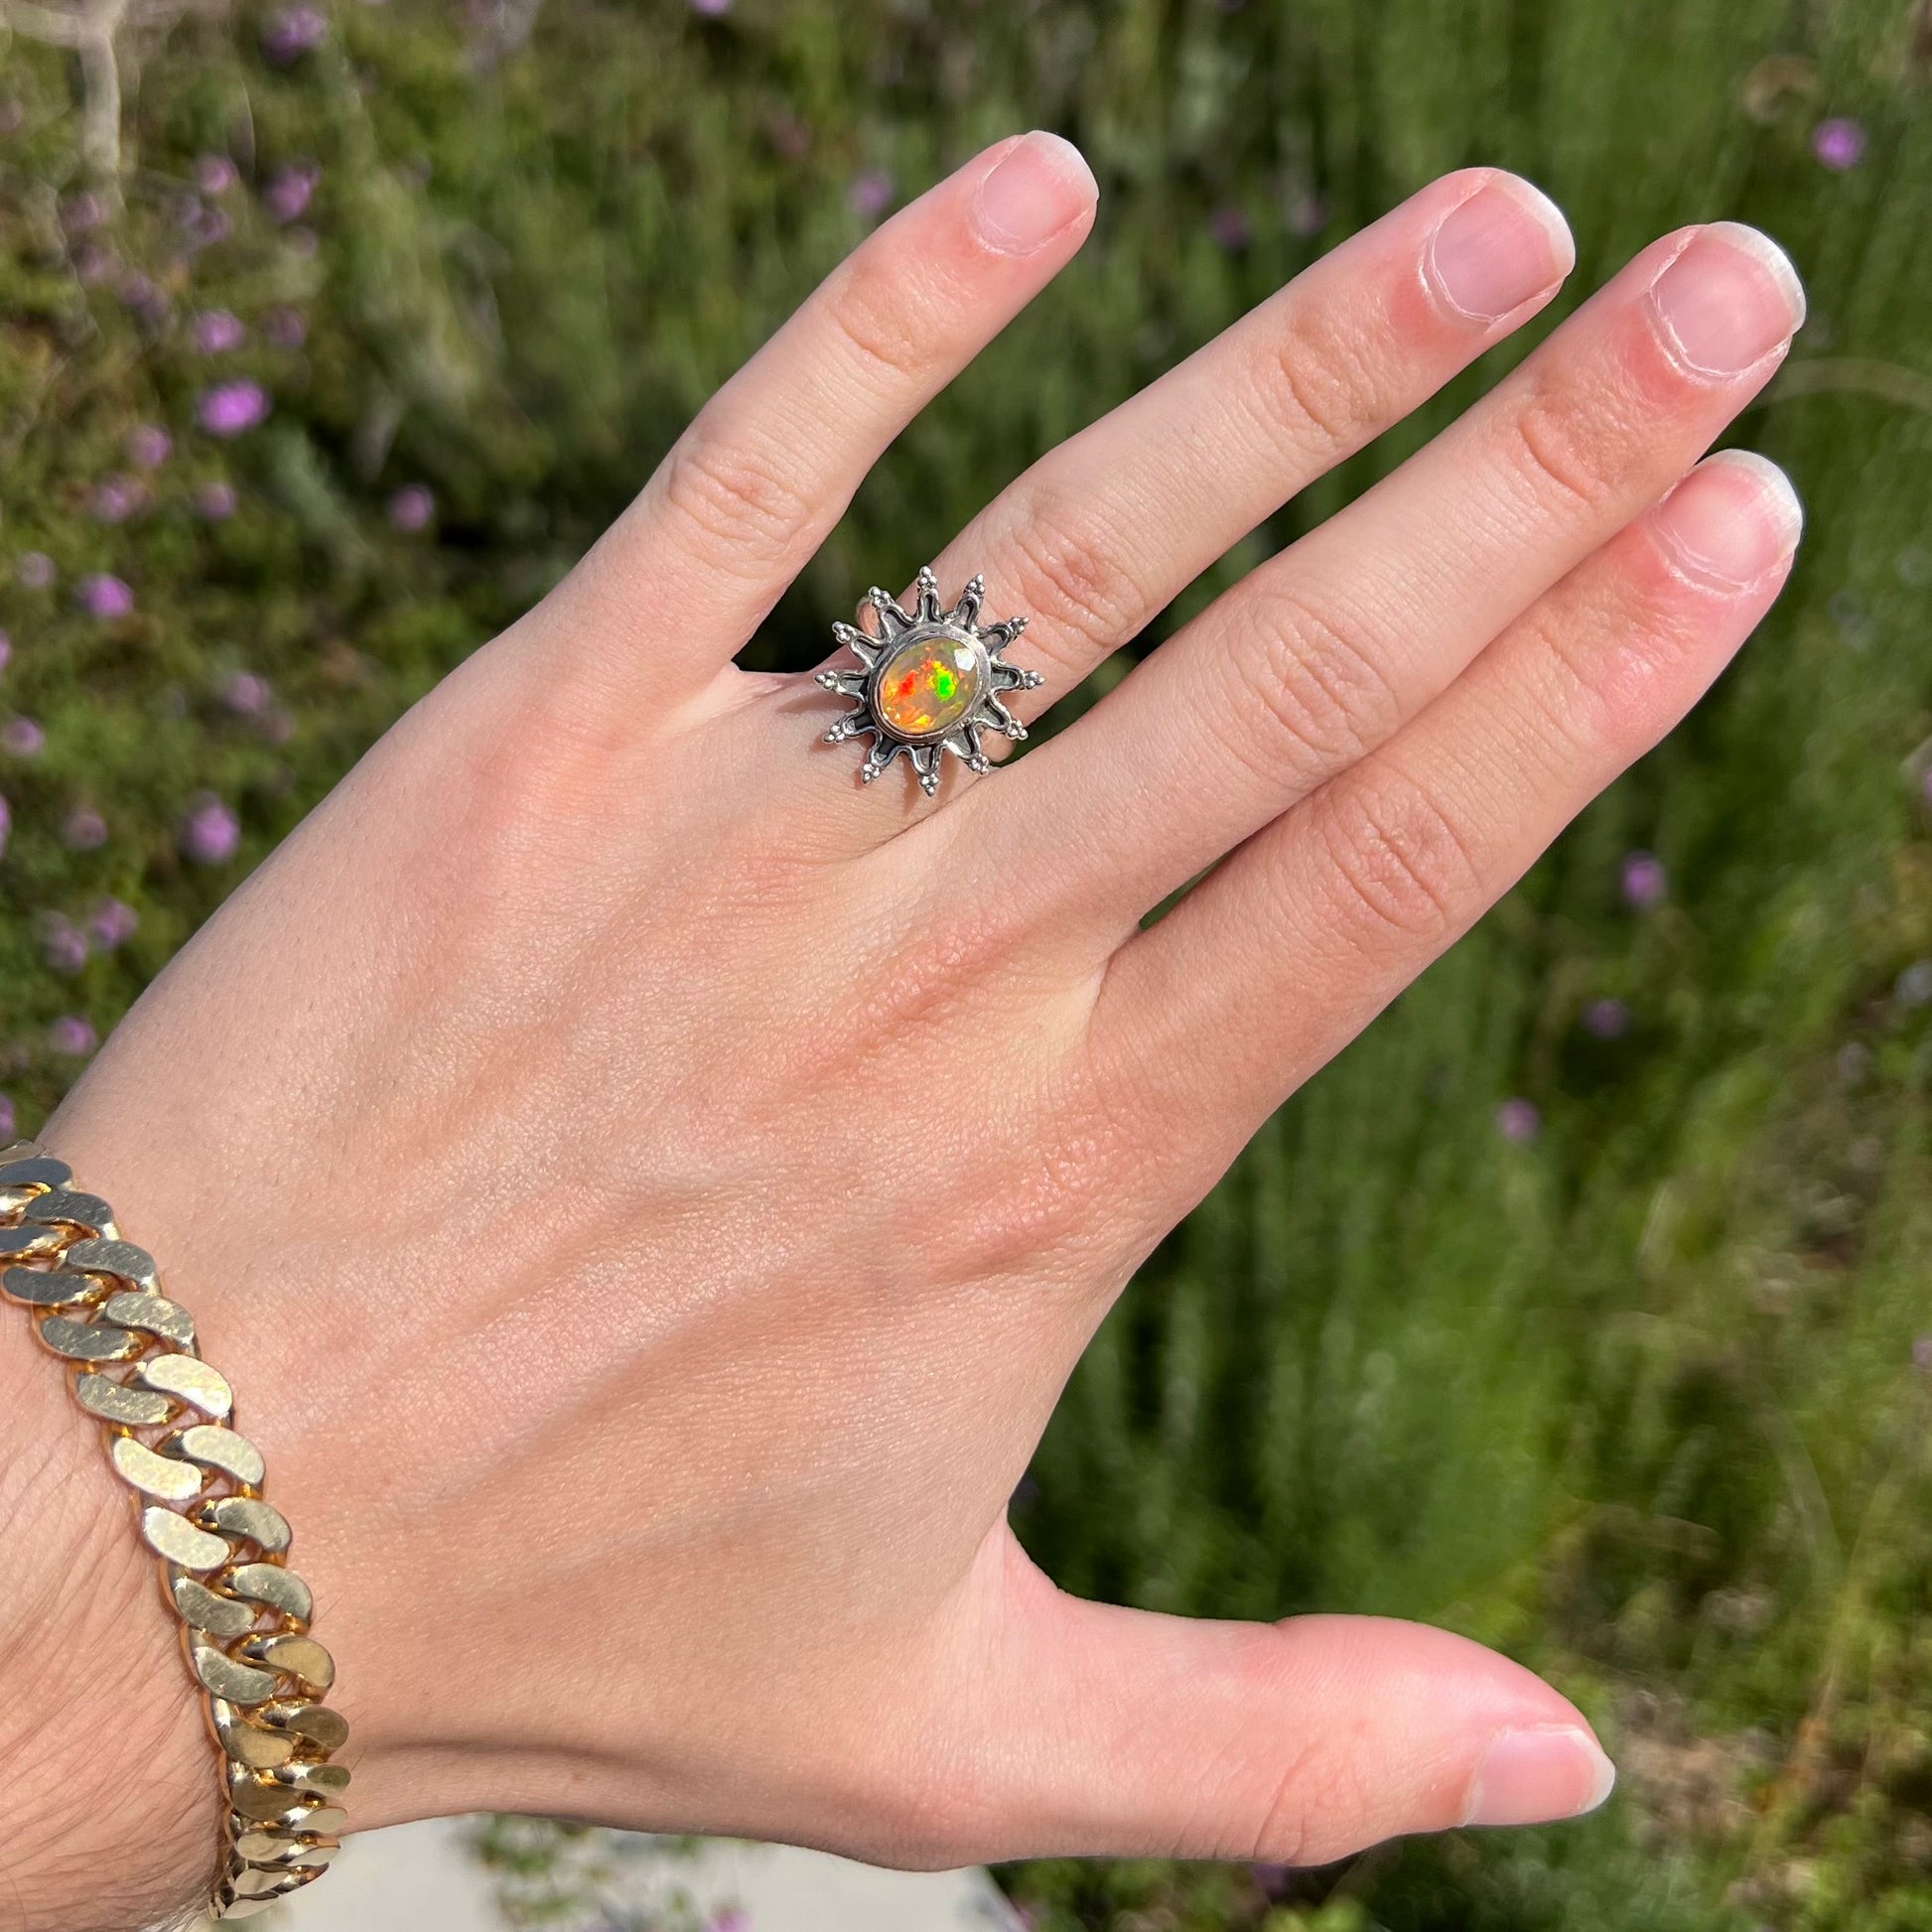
[423, 1878]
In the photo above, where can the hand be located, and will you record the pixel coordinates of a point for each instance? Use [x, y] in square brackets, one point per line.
[649, 1192]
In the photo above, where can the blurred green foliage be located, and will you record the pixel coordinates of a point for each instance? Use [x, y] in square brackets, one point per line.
[1632, 1392]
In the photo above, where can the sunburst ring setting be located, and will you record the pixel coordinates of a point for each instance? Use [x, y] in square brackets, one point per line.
[929, 681]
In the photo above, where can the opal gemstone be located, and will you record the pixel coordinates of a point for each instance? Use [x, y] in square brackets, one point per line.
[926, 685]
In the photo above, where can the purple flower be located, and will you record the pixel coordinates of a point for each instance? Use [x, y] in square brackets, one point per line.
[292, 33]
[215, 500]
[1229, 228]
[215, 174]
[231, 408]
[205, 225]
[728, 1918]
[83, 211]
[289, 189]
[35, 570]
[216, 332]
[93, 265]
[5, 649]
[6, 825]
[85, 831]
[1307, 216]
[1646, 880]
[1913, 987]
[149, 445]
[8, 1124]
[1518, 1121]
[247, 695]
[210, 832]
[1839, 143]
[62, 945]
[110, 923]
[711, 9]
[115, 498]
[1606, 1019]
[71, 1035]
[22, 737]
[141, 295]
[871, 193]
[411, 508]
[102, 596]
[285, 327]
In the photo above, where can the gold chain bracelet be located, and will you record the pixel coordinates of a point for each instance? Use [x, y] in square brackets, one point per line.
[169, 1419]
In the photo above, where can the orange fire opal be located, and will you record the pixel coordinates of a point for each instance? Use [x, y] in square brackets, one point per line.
[926, 686]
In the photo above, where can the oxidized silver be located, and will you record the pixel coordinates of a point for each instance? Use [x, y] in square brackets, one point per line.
[963, 651]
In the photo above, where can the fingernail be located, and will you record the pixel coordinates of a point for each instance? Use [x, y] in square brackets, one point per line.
[1527, 1777]
[1038, 187]
[1734, 517]
[1505, 244]
[1728, 299]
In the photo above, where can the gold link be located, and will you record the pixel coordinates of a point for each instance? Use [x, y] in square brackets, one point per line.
[114, 1402]
[153, 1314]
[314, 1721]
[121, 1258]
[249, 1516]
[271, 1584]
[190, 1378]
[97, 1300]
[176, 1537]
[157, 1475]
[259, 1802]
[16, 1242]
[233, 1682]
[218, 1449]
[48, 1288]
[81, 1341]
[226, 1906]
[300, 1657]
[283, 1848]
[250, 1744]
[34, 1169]
[329, 1779]
[71, 1209]
[220, 1616]
[255, 1881]
[326, 1821]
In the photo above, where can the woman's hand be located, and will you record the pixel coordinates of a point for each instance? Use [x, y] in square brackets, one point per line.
[649, 1192]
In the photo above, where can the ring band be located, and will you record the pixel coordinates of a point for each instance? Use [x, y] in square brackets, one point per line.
[929, 681]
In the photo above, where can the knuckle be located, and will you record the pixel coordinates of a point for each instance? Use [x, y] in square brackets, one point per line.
[1318, 1807]
[1565, 449]
[1321, 692]
[1397, 861]
[739, 496]
[876, 314]
[1314, 389]
[1074, 576]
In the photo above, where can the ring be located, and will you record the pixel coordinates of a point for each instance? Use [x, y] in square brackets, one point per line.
[928, 682]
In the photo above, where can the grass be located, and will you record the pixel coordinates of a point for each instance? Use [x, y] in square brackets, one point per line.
[1634, 1398]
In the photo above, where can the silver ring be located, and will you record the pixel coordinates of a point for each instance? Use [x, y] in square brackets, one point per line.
[929, 681]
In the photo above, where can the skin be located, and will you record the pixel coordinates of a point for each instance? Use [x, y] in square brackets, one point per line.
[649, 1193]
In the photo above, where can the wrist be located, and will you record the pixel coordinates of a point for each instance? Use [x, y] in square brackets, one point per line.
[109, 1808]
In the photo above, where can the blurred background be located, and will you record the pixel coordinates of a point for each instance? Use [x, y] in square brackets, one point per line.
[1582, 1305]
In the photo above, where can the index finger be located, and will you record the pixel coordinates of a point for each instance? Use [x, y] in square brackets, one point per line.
[767, 467]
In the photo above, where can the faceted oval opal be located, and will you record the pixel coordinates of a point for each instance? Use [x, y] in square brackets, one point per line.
[926, 685]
